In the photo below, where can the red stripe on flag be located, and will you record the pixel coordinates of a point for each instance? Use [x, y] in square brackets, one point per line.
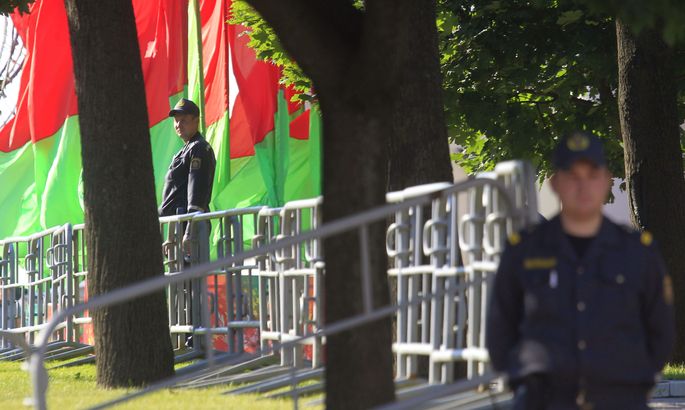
[213, 17]
[47, 96]
[299, 127]
[176, 18]
[162, 33]
[253, 113]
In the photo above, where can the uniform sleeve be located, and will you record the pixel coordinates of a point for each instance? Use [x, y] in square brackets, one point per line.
[200, 177]
[658, 312]
[505, 313]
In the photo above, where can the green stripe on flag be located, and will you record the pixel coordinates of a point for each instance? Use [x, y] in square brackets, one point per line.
[17, 192]
[218, 138]
[42, 182]
[57, 167]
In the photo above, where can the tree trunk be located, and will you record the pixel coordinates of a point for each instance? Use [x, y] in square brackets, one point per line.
[377, 77]
[653, 160]
[359, 362]
[418, 147]
[357, 122]
[132, 340]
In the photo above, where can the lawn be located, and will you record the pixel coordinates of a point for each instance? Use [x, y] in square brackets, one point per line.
[75, 388]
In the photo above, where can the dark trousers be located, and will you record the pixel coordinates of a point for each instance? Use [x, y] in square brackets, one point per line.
[541, 392]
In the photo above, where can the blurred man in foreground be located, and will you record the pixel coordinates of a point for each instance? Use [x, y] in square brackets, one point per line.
[581, 314]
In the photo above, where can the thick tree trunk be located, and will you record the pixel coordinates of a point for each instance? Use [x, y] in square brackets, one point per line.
[357, 122]
[132, 340]
[359, 362]
[418, 147]
[653, 160]
[377, 76]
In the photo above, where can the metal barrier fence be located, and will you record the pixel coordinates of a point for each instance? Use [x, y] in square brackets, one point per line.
[452, 248]
[47, 271]
[285, 250]
[228, 298]
[443, 245]
[36, 280]
[291, 281]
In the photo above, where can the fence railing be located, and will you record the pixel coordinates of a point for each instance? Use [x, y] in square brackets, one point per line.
[47, 271]
[452, 248]
[36, 280]
[291, 281]
[443, 245]
[194, 239]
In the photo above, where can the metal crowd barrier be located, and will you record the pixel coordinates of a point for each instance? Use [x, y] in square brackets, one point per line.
[47, 271]
[83, 326]
[226, 294]
[404, 248]
[443, 246]
[452, 248]
[285, 250]
[291, 281]
[36, 280]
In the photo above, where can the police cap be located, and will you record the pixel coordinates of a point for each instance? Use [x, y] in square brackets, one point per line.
[578, 145]
[185, 106]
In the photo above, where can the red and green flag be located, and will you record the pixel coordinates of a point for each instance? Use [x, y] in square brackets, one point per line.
[268, 149]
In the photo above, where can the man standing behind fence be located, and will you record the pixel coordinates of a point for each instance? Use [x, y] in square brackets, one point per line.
[581, 313]
[188, 183]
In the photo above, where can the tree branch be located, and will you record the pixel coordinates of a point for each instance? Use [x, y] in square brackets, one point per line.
[320, 35]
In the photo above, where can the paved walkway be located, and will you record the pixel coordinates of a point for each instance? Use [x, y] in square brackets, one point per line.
[668, 403]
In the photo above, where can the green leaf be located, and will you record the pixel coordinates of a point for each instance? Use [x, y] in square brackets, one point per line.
[569, 17]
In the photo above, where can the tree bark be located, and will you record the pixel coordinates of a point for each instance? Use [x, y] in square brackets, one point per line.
[132, 340]
[376, 80]
[418, 146]
[647, 104]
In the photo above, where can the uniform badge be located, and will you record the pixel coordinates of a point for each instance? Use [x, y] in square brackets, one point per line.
[646, 238]
[578, 142]
[514, 239]
[668, 290]
[195, 163]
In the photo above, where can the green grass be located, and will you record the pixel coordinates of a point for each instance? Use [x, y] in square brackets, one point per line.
[674, 372]
[75, 388]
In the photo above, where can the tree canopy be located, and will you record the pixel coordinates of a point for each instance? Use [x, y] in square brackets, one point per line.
[516, 76]
[8, 6]
[665, 16]
[519, 74]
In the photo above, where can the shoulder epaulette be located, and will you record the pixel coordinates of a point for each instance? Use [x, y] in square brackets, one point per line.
[516, 237]
[646, 238]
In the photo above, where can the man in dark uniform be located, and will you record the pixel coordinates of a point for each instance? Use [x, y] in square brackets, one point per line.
[188, 188]
[188, 184]
[581, 312]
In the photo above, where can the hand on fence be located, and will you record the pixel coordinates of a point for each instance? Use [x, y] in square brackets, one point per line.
[187, 244]
[166, 249]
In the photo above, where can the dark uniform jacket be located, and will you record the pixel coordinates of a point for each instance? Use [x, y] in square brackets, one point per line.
[603, 320]
[188, 183]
